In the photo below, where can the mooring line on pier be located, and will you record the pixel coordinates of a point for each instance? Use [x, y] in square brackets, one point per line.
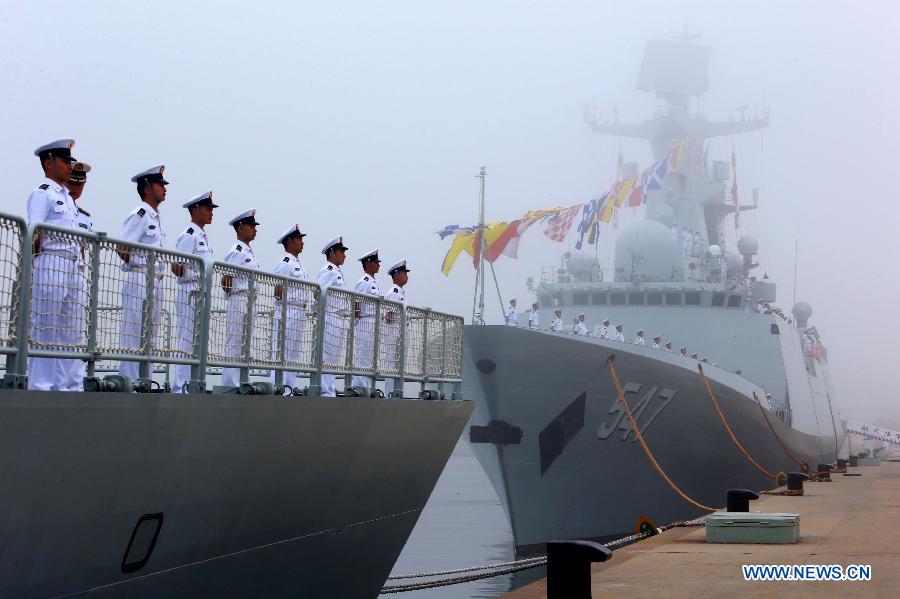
[737, 443]
[640, 438]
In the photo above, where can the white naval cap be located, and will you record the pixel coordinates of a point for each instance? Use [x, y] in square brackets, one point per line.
[657, 337]
[399, 266]
[153, 174]
[337, 243]
[370, 256]
[245, 217]
[203, 198]
[294, 229]
[61, 148]
[605, 321]
[619, 326]
[640, 331]
[79, 172]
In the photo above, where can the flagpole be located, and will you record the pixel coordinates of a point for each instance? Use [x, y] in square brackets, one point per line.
[479, 278]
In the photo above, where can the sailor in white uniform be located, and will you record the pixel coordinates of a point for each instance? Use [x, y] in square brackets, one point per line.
[580, 327]
[55, 290]
[143, 225]
[390, 340]
[656, 340]
[299, 301]
[604, 329]
[534, 319]
[619, 336]
[639, 339]
[683, 351]
[193, 240]
[556, 325]
[236, 289]
[364, 313]
[337, 311]
[668, 346]
[74, 371]
[512, 317]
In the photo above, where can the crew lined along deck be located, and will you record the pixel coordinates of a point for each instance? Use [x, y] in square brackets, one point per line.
[71, 296]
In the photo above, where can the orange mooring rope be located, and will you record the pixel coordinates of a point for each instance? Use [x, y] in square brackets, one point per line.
[777, 438]
[712, 396]
[640, 438]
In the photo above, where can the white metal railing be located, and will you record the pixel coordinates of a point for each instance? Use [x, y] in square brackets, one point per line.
[73, 294]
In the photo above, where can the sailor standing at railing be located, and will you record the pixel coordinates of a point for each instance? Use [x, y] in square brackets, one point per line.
[390, 341]
[337, 311]
[55, 289]
[193, 240]
[619, 336]
[580, 327]
[75, 370]
[299, 300]
[604, 329]
[639, 339]
[236, 289]
[143, 225]
[556, 325]
[364, 311]
[534, 319]
[512, 317]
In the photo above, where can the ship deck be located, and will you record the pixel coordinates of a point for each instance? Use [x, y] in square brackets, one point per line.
[853, 520]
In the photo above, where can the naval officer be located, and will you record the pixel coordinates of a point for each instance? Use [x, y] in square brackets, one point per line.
[55, 290]
[534, 319]
[299, 300]
[237, 288]
[75, 370]
[668, 346]
[512, 317]
[337, 311]
[619, 336]
[639, 339]
[580, 327]
[193, 240]
[143, 225]
[390, 341]
[604, 329]
[556, 325]
[364, 313]
[656, 340]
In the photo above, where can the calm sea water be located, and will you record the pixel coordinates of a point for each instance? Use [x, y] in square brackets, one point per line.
[462, 525]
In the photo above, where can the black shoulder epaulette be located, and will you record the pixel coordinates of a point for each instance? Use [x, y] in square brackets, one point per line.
[365, 278]
[142, 212]
[238, 248]
[190, 231]
[83, 211]
[285, 259]
[330, 267]
[44, 186]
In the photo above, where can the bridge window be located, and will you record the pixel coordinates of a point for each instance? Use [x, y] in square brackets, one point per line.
[692, 298]
[673, 299]
[654, 299]
[734, 301]
[617, 299]
[718, 300]
[598, 298]
[579, 298]
[636, 299]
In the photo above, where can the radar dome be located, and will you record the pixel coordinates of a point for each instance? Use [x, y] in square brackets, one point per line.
[645, 251]
[801, 311]
[748, 245]
[715, 251]
[661, 213]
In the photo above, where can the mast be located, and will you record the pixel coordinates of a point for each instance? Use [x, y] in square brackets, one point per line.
[479, 275]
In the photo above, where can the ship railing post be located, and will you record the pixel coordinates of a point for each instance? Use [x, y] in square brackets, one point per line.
[281, 333]
[401, 364]
[349, 361]
[315, 378]
[424, 383]
[201, 336]
[443, 354]
[93, 307]
[376, 339]
[17, 364]
[249, 321]
[147, 313]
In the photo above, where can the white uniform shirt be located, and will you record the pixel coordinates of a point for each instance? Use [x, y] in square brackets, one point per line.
[84, 219]
[655, 345]
[604, 332]
[331, 275]
[51, 203]
[534, 320]
[368, 285]
[620, 336]
[143, 226]
[396, 294]
[639, 340]
[580, 329]
[193, 240]
[289, 266]
[512, 317]
[669, 349]
[556, 325]
[241, 254]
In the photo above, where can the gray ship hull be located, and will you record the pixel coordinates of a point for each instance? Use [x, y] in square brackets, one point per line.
[224, 496]
[554, 441]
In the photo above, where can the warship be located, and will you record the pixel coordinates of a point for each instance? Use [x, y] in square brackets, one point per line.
[549, 428]
[125, 489]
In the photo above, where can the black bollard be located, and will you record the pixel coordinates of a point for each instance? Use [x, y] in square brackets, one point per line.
[738, 500]
[824, 472]
[569, 568]
[841, 463]
[854, 461]
[795, 481]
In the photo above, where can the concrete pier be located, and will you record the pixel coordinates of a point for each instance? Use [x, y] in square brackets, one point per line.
[852, 520]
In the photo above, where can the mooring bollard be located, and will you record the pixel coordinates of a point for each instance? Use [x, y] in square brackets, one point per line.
[738, 500]
[795, 481]
[569, 568]
[824, 474]
[841, 463]
[854, 461]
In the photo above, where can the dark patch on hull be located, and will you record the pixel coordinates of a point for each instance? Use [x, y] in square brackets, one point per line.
[497, 432]
[561, 430]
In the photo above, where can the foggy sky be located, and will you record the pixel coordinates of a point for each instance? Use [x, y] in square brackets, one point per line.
[370, 120]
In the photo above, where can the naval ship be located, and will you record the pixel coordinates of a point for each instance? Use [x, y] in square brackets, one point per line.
[121, 490]
[549, 428]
